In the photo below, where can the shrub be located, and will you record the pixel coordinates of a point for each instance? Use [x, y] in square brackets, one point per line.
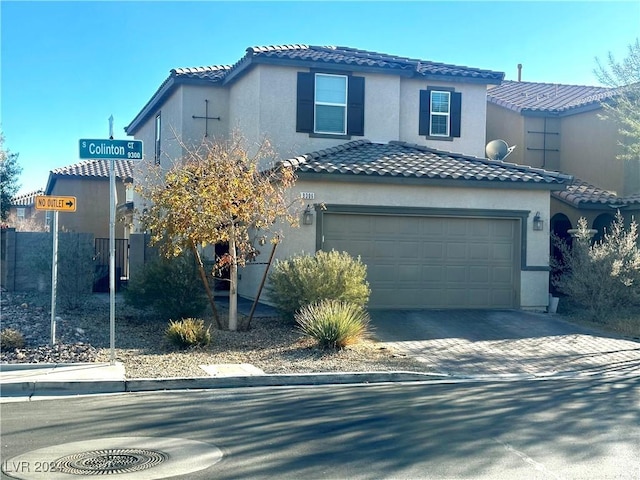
[605, 276]
[188, 332]
[10, 339]
[333, 324]
[170, 286]
[305, 279]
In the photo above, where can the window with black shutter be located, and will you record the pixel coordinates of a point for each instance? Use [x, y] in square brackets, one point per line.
[439, 114]
[330, 104]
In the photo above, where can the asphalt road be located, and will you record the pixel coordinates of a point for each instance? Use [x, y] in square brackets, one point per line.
[587, 428]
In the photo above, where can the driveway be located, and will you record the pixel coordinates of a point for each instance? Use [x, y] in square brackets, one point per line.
[504, 342]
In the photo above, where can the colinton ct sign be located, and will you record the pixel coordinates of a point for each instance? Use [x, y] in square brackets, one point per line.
[106, 149]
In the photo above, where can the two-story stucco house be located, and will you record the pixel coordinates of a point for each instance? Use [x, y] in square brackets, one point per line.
[392, 148]
[88, 181]
[561, 128]
[23, 213]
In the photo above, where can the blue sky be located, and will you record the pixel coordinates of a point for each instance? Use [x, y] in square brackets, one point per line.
[67, 66]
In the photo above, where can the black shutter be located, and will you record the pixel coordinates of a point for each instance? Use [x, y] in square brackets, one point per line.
[305, 102]
[355, 106]
[424, 111]
[456, 114]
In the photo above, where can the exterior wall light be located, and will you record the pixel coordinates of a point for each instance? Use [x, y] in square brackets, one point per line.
[307, 216]
[538, 223]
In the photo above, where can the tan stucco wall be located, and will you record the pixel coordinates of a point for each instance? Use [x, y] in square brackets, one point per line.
[589, 147]
[533, 284]
[262, 103]
[92, 210]
[507, 125]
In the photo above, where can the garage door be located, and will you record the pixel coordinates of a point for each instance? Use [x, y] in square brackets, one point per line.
[431, 262]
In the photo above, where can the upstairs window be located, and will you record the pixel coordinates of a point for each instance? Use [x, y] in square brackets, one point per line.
[158, 151]
[330, 104]
[440, 112]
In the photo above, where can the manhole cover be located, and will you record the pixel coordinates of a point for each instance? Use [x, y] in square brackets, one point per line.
[110, 461]
[121, 458]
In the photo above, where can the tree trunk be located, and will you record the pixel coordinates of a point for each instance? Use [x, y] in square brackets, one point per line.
[205, 281]
[233, 279]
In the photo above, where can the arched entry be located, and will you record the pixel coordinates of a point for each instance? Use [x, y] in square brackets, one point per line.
[559, 226]
[601, 223]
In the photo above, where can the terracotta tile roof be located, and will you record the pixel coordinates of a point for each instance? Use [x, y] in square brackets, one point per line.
[213, 72]
[580, 193]
[305, 56]
[26, 199]
[96, 169]
[362, 58]
[546, 97]
[90, 169]
[403, 160]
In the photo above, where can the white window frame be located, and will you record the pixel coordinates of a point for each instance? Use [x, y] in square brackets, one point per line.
[20, 213]
[446, 115]
[332, 104]
[157, 138]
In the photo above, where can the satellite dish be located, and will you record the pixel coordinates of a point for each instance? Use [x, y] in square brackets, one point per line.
[498, 149]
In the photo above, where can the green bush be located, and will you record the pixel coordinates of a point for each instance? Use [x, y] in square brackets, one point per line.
[170, 286]
[604, 277]
[188, 332]
[10, 339]
[333, 324]
[305, 279]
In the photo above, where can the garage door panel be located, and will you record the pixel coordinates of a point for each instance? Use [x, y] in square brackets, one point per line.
[502, 253]
[433, 250]
[410, 273]
[456, 274]
[431, 262]
[456, 227]
[502, 275]
[408, 249]
[432, 273]
[478, 274]
[456, 251]
[479, 252]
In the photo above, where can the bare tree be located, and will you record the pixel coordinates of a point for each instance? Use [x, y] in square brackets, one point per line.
[217, 193]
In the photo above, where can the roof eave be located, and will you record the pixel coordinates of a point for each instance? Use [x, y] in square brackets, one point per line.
[247, 62]
[158, 98]
[414, 180]
[164, 92]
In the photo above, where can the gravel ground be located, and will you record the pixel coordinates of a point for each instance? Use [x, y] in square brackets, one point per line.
[82, 335]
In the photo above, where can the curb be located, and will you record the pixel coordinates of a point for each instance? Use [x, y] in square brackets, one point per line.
[86, 387]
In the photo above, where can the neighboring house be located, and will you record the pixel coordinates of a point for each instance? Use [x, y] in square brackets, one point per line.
[560, 128]
[22, 212]
[372, 137]
[88, 181]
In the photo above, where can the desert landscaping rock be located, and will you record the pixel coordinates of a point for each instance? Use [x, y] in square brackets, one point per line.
[272, 344]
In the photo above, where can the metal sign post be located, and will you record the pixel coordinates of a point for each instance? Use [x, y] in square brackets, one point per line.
[55, 204]
[54, 277]
[112, 260]
[111, 150]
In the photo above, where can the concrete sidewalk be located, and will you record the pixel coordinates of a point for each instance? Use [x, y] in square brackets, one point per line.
[25, 381]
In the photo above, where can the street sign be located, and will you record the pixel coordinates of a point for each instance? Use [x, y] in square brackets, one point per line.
[105, 149]
[57, 204]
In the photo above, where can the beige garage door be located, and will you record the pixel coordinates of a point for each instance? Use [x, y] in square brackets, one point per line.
[431, 262]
